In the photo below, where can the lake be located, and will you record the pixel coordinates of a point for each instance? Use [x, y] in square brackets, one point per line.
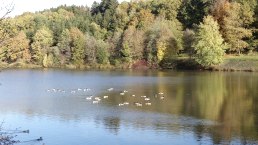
[68, 107]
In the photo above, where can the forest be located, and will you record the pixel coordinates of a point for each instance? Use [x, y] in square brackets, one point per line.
[150, 33]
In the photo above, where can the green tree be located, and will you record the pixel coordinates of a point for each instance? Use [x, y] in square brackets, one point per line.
[102, 54]
[145, 18]
[247, 11]
[132, 44]
[188, 40]
[97, 32]
[166, 8]
[209, 43]
[96, 51]
[115, 46]
[126, 53]
[77, 46]
[163, 40]
[232, 25]
[255, 35]
[192, 12]
[90, 49]
[64, 45]
[104, 13]
[57, 21]
[121, 16]
[42, 41]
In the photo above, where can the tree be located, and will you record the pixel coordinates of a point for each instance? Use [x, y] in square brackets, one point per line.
[163, 40]
[25, 22]
[64, 45]
[57, 21]
[188, 40]
[77, 46]
[232, 25]
[254, 41]
[104, 13]
[209, 44]
[132, 45]
[18, 48]
[247, 11]
[115, 45]
[90, 49]
[192, 12]
[96, 51]
[7, 32]
[97, 32]
[145, 18]
[166, 8]
[42, 42]
[121, 16]
[102, 54]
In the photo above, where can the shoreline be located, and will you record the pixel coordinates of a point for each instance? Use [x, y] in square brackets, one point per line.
[230, 64]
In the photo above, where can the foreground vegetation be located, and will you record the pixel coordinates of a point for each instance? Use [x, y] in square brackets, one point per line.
[136, 34]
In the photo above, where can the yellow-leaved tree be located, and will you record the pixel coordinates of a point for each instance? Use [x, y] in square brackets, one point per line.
[209, 44]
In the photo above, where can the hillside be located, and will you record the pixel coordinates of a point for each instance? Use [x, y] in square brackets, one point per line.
[136, 34]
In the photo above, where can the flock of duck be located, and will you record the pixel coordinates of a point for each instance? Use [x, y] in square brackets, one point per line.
[95, 100]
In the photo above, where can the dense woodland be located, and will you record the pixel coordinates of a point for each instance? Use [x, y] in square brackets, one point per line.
[149, 32]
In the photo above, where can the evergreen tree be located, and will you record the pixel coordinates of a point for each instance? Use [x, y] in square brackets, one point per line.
[166, 8]
[192, 12]
[104, 13]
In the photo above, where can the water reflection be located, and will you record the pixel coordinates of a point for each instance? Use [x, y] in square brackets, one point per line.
[215, 107]
[112, 124]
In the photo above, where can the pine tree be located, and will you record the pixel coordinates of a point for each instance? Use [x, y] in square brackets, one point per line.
[192, 12]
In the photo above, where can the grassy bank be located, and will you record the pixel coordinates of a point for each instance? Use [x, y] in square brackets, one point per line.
[231, 63]
[239, 63]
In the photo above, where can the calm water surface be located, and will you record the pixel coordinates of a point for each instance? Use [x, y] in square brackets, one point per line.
[198, 107]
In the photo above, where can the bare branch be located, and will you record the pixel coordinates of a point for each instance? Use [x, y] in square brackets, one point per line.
[5, 9]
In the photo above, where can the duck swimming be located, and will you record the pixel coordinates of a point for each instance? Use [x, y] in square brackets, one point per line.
[147, 99]
[148, 104]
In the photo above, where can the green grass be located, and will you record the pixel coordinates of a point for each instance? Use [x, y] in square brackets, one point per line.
[239, 63]
[242, 57]
[231, 63]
